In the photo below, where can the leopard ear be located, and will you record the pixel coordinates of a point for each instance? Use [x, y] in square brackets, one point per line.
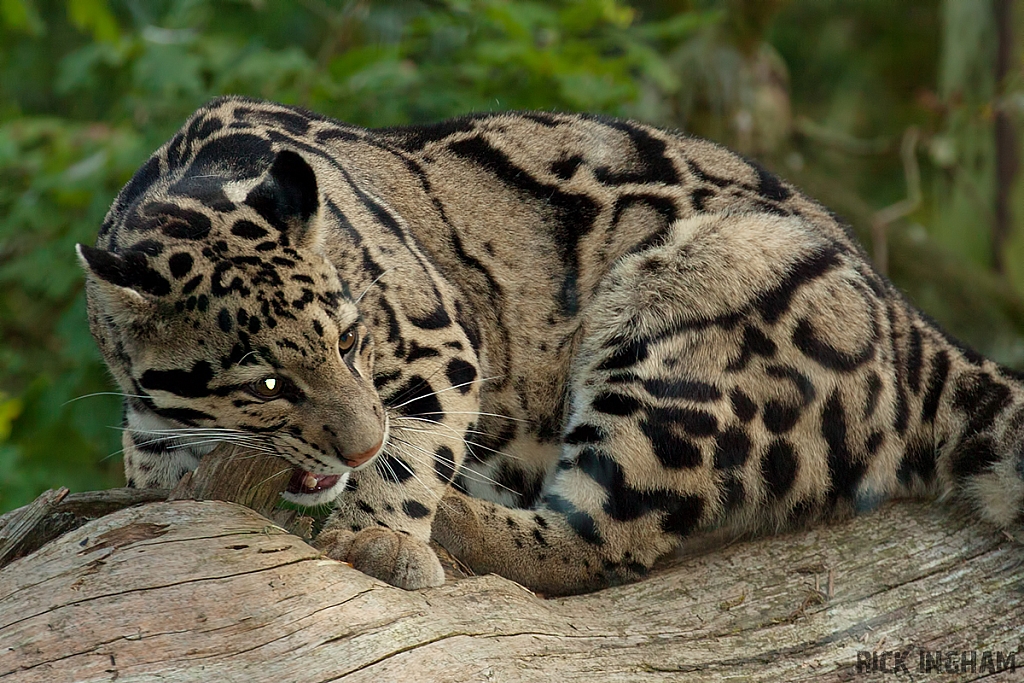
[288, 198]
[125, 282]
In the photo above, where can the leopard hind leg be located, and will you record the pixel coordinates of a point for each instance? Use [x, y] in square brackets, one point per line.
[693, 404]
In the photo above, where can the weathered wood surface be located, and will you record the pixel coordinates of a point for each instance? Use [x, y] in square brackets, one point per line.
[57, 512]
[211, 591]
[229, 473]
[18, 526]
[254, 480]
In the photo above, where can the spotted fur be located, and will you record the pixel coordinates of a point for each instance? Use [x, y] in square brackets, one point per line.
[612, 337]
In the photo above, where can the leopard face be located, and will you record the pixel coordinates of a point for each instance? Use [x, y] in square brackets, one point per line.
[230, 325]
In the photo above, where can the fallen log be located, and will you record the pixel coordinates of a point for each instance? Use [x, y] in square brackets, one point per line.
[200, 590]
[228, 473]
[57, 512]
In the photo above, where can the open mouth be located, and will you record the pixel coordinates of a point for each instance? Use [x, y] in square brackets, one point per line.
[309, 489]
[307, 482]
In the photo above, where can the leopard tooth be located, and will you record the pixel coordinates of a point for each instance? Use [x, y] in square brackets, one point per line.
[309, 481]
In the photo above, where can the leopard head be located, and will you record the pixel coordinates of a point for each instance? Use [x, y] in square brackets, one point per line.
[222, 320]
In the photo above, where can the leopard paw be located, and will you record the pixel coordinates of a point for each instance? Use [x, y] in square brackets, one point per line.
[396, 558]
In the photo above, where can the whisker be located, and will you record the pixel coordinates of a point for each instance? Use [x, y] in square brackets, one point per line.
[431, 456]
[207, 438]
[241, 436]
[242, 359]
[425, 431]
[441, 391]
[423, 419]
[412, 473]
[244, 456]
[271, 477]
[108, 457]
[441, 424]
[196, 436]
[101, 393]
[438, 498]
[370, 286]
[456, 435]
[178, 430]
[186, 437]
[471, 444]
[474, 412]
[387, 464]
[398, 397]
[410, 470]
[180, 446]
[320, 510]
[235, 435]
[465, 471]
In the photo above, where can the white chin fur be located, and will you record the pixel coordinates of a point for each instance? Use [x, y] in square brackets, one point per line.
[320, 497]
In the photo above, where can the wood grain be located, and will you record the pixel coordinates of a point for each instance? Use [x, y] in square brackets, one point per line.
[211, 591]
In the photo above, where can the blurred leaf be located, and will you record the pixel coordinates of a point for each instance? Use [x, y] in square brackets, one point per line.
[681, 25]
[94, 16]
[21, 15]
[10, 409]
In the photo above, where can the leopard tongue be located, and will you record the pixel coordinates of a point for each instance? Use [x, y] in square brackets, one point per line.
[307, 482]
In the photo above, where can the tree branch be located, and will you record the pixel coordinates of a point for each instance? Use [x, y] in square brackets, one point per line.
[201, 590]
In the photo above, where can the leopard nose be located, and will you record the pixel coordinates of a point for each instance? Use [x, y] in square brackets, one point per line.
[362, 458]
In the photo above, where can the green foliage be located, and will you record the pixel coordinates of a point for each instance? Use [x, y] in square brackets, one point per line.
[817, 90]
[21, 15]
[56, 179]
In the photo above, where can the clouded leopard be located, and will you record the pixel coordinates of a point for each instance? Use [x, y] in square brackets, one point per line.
[561, 343]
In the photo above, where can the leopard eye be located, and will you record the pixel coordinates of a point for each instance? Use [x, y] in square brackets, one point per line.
[268, 387]
[346, 341]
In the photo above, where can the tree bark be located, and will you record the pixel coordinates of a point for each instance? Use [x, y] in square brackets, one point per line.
[211, 591]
